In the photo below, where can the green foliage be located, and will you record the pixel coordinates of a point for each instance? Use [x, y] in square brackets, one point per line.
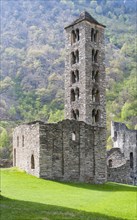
[4, 139]
[32, 52]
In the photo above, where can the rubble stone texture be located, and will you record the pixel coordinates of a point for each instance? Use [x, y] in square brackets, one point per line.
[122, 158]
[73, 149]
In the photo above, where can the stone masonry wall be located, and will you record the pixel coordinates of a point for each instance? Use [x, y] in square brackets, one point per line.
[26, 144]
[120, 174]
[63, 158]
[85, 66]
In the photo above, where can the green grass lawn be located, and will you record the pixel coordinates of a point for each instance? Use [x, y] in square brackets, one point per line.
[25, 197]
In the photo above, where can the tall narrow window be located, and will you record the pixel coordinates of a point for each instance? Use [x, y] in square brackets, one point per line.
[77, 93]
[73, 58]
[131, 160]
[73, 114]
[32, 162]
[93, 75]
[93, 116]
[97, 76]
[110, 163]
[97, 96]
[93, 54]
[93, 95]
[96, 56]
[17, 141]
[95, 35]
[73, 77]
[77, 114]
[77, 75]
[14, 159]
[72, 95]
[92, 34]
[97, 116]
[77, 56]
[77, 34]
[73, 37]
[22, 140]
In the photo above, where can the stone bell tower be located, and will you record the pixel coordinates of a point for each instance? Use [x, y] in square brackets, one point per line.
[85, 71]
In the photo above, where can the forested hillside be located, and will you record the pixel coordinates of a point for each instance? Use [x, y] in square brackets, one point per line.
[32, 60]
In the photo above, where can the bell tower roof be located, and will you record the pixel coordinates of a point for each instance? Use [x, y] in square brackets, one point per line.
[87, 17]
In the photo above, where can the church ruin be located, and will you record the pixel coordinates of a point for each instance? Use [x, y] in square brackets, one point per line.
[72, 149]
[122, 158]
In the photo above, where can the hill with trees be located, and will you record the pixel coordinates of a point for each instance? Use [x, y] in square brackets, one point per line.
[32, 61]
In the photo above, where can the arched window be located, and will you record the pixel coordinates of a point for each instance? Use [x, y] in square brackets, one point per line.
[77, 93]
[72, 95]
[96, 56]
[110, 163]
[97, 116]
[77, 34]
[73, 114]
[73, 37]
[32, 162]
[77, 75]
[92, 34]
[131, 160]
[77, 56]
[73, 77]
[93, 52]
[77, 114]
[73, 136]
[73, 58]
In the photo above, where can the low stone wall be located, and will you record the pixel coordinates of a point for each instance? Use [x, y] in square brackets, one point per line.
[120, 174]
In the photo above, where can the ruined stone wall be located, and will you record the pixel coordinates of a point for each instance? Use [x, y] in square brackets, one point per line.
[72, 151]
[126, 140]
[26, 144]
[116, 156]
[120, 174]
[68, 150]
[123, 155]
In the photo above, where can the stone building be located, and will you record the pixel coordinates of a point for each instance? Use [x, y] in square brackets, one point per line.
[122, 158]
[73, 149]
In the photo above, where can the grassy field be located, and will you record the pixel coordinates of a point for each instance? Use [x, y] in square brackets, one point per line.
[25, 197]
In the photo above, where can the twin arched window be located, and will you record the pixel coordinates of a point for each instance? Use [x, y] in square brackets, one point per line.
[75, 36]
[75, 114]
[95, 95]
[95, 116]
[74, 94]
[74, 76]
[94, 35]
[74, 57]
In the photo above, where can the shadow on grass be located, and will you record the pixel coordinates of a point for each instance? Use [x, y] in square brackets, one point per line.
[24, 210]
[109, 186]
